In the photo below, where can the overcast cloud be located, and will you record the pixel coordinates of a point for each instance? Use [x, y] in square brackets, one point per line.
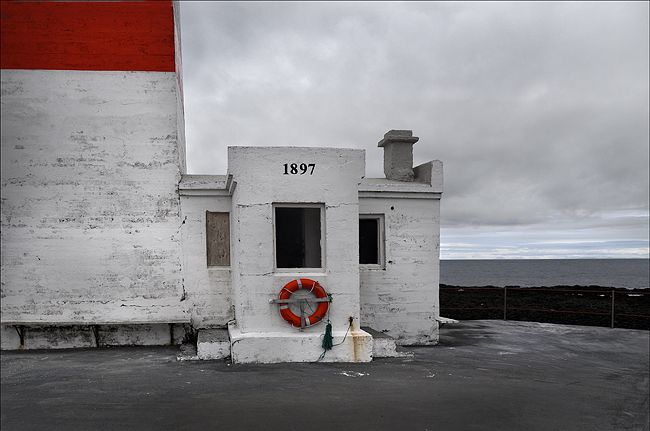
[539, 111]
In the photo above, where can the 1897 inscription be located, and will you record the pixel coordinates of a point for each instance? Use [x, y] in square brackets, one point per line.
[302, 168]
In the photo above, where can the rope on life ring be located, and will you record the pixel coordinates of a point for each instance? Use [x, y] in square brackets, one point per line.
[305, 284]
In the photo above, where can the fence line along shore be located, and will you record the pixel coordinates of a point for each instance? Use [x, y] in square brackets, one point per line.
[576, 305]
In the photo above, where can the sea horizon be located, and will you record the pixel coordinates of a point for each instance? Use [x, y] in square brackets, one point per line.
[631, 273]
[558, 258]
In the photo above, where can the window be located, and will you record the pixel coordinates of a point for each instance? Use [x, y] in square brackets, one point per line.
[298, 236]
[217, 233]
[371, 240]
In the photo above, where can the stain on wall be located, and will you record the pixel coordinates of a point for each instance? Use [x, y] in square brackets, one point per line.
[90, 209]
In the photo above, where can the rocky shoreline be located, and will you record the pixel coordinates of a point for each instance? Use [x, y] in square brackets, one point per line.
[574, 305]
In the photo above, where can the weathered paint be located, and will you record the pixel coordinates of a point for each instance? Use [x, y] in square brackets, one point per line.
[129, 36]
[180, 110]
[383, 346]
[398, 154]
[91, 159]
[207, 289]
[58, 337]
[261, 183]
[90, 208]
[401, 299]
[9, 338]
[93, 180]
[73, 336]
[272, 347]
[139, 335]
[213, 344]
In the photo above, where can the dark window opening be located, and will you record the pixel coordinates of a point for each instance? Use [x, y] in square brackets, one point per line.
[297, 237]
[369, 241]
[217, 233]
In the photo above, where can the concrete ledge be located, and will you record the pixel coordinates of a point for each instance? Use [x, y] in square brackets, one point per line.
[213, 344]
[385, 185]
[58, 337]
[206, 185]
[274, 347]
[445, 320]
[71, 336]
[136, 335]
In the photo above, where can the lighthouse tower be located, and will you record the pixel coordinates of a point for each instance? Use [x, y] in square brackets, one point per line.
[92, 153]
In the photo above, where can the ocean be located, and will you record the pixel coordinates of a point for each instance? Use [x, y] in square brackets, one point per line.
[627, 273]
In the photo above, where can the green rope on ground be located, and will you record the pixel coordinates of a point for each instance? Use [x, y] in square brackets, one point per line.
[328, 340]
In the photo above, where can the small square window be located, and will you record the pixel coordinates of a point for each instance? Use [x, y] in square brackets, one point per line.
[371, 240]
[298, 236]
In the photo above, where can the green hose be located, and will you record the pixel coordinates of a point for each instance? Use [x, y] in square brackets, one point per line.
[328, 340]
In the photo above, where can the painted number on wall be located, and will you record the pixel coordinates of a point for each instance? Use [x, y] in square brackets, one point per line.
[302, 169]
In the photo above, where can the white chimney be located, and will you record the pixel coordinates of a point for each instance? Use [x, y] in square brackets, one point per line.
[398, 154]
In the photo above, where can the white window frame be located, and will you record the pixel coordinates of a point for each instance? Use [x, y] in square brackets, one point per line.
[381, 242]
[302, 271]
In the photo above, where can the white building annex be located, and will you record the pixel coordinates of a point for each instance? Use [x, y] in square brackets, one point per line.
[106, 240]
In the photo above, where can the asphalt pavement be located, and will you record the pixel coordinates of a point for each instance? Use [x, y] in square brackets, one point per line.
[484, 375]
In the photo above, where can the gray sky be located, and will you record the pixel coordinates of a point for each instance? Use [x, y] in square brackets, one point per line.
[539, 111]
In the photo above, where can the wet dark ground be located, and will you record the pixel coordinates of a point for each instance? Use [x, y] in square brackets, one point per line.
[484, 375]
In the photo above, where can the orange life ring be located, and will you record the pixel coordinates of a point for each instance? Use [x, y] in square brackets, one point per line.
[306, 284]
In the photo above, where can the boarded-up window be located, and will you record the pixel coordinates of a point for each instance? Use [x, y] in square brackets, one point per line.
[217, 230]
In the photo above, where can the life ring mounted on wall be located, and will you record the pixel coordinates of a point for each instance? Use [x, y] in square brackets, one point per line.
[284, 299]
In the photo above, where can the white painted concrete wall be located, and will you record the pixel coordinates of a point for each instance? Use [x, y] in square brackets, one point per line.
[402, 299]
[271, 347]
[259, 174]
[207, 289]
[180, 105]
[90, 209]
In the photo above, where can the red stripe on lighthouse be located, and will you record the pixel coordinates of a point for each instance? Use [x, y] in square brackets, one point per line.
[137, 36]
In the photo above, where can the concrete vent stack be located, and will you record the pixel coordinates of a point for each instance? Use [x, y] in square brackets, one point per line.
[398, 154]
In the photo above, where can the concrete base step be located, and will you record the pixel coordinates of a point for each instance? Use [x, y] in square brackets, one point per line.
[213, 344]
[291, 345]
[383, 346]
[187, 353]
